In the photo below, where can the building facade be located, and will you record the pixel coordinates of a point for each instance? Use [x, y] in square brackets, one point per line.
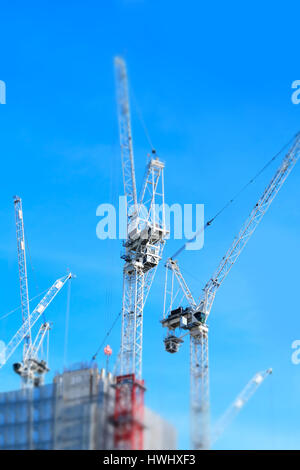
[74, 412]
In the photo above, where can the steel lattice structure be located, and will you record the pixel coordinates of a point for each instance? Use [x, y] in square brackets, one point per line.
[22, 268]
[259, 210]
[129, 413]
[193, 318]
[31, 368]
[146, 233]
[199, 387]
[27, 325]
[142, 253]
[125, 132]
[240, 401]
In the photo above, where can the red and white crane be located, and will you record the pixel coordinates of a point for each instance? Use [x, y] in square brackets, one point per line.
[192, 319]
[146, 233]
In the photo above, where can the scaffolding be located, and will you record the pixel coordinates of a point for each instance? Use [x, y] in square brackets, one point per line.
[74, 413]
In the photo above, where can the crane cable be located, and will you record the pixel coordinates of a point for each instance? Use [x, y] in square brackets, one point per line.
[107, 335]
[230, 201]
[108, 293]
[33, 270]
[142, 120]
[18, 308]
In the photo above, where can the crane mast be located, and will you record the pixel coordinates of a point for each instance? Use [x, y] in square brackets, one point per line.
[22, 268]
[142, 251]
[193, 318]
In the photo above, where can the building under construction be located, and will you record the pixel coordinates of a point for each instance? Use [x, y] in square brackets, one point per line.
[76, 411]
[87, 409]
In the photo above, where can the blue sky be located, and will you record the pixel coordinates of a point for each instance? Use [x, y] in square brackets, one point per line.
[214, 86]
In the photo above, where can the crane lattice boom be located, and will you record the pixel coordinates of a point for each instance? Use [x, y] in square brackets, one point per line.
[239, 403]
[125, 132]
[259, 210]
[22, 267]
[33, 318]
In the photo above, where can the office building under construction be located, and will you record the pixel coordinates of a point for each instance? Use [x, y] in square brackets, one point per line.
[74, 412]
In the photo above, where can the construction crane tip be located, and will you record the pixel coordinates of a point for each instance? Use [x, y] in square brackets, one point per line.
[118, 59]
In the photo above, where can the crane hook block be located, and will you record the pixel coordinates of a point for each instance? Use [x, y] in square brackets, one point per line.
[172, 343]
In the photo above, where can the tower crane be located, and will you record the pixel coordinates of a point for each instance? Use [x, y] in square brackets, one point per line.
[32, 369]
[240, 401]
[193, 318]
[142, 251]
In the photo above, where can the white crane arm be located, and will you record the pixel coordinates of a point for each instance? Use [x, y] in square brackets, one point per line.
[33, 318]
[239, 243]
[22, 265]
[125, 132]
